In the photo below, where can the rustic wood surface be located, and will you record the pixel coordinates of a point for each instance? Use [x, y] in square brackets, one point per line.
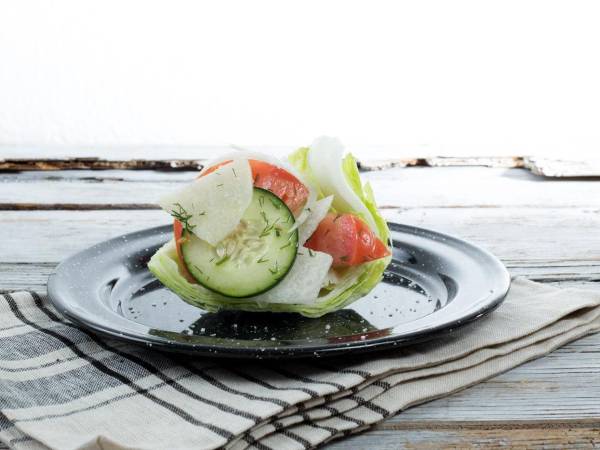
[543, 228]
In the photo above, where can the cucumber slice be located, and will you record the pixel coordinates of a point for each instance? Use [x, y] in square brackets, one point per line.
[254, 257]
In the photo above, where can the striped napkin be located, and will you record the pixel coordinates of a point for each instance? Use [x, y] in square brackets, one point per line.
[64, 388]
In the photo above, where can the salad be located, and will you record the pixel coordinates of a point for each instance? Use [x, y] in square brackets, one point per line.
[255, 233]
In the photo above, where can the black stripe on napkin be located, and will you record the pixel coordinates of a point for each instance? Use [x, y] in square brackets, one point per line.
[291, 435]
[106, 370]
[313, 394]
[361, 401]
[216, 383]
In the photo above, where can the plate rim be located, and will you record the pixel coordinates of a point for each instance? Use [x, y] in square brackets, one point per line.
[286, 352]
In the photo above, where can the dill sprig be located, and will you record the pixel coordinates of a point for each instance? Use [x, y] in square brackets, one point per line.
[183, 216]
[268, 228]
[264, 216]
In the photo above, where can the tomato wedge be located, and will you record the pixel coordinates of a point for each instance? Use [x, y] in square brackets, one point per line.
[347, 239]
[266, 176]
[281, 183]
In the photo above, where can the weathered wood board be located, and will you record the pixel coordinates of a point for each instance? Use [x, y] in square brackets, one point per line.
[514, 234]
[447, 187]
[544, 229]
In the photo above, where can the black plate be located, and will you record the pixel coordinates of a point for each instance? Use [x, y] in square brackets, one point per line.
[434, 284]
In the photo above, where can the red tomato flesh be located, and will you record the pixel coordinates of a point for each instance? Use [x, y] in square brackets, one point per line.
[347, 239]
[281, 183]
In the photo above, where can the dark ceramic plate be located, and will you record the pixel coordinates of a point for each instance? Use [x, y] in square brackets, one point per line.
[434, 284]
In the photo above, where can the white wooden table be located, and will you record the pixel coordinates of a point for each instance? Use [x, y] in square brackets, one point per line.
[542, 228]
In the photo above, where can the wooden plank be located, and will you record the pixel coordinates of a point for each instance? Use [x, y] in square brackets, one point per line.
[460, 187]
[563, 385]
[513, 234]
[153, 176]
[537, 435]
[14, 165]
[373, 157]
[516, 234]
[50, 236]
[448, 187]
[563, 168]
[25, 276]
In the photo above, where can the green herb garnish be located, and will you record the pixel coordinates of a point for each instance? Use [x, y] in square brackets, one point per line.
[183, 216]
[264, 216]
[268, 228]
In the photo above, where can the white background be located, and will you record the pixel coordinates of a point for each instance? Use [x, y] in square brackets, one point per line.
[422, 77]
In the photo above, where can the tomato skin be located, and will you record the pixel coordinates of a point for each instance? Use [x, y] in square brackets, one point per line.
[178, 229]
[281, 183]
[211, 169]
[347, 239]
[178, 234]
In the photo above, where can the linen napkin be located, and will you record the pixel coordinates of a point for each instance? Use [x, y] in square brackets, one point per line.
[64, 388]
